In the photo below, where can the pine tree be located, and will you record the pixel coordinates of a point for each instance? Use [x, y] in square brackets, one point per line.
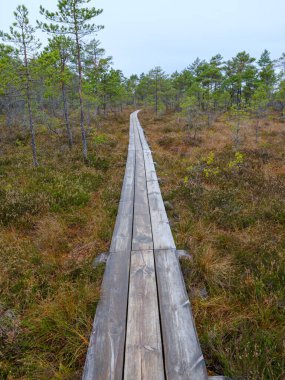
[22, 35]
[259, 105]
[96, 67]
[131, 86]
[267, 74]
[280, 95]
[241, 78]
[8, 81]
[74, 18]
[157, 85]
[55, 63]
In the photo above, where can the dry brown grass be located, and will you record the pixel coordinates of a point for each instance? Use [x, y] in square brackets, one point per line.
[232, 222]
[58, 218]
[50, 234]
[53, 222]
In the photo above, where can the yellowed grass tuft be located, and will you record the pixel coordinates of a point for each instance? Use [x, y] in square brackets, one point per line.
[215, 268]
[50, 234]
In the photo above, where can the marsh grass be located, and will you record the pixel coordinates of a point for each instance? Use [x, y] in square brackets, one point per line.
[229, 213]
[53, 222]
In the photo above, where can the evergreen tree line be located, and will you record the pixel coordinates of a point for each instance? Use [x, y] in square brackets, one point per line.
[72, 79]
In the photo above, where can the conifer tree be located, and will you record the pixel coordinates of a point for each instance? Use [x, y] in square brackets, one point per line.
[74, 18]
[22, 36]
[8, 81]
[267, 74]
[55, 61]
[157, 80]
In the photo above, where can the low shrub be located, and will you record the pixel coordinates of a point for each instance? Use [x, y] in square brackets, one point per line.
[16, 205]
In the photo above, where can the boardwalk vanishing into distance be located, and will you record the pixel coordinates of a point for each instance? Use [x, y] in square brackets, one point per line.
[143, 328]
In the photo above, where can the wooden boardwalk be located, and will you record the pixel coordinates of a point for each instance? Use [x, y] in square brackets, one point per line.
[143, 328]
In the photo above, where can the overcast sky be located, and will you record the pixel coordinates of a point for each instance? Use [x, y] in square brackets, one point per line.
[171, 34]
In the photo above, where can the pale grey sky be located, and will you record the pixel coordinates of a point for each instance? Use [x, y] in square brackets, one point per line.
[143, 34]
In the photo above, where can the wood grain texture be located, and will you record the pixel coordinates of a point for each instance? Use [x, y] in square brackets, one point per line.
[143, 358]
[149, 166]
[182, 352]
[143, 352]
[122, 235]
[142, 234]
[162, 235]
[105, 357]
[127, 193]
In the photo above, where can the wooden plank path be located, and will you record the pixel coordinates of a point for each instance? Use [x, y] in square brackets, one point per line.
[143, 328]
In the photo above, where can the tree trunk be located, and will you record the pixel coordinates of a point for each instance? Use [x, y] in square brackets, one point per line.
[156, 96]
[32, 132]
[66, 116]
[83, 132]
[82, 128]
[28, 96]
[105, 105]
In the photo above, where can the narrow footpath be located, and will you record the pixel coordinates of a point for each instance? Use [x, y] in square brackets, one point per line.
[143, 328]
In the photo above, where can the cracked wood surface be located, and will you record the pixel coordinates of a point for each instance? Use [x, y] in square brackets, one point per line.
[143, 328]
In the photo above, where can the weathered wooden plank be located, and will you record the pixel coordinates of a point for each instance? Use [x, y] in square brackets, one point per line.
[182, 352]
[122, 235]
[142, 135]
[131, 134]
[157, 205]
[138, 145]
[152, 176]
[143, 355]
[149, 166]
[154, 192]
[127, 193]
[162, 235]
[105, 357]
[142, 233]
[156, 202]
[144, 359]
